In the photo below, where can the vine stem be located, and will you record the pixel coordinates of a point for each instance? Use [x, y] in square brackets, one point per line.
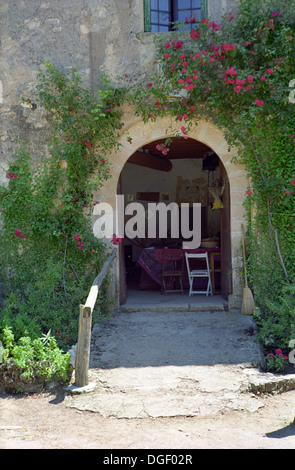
[73, 269]
[63, 270]
[277, 244]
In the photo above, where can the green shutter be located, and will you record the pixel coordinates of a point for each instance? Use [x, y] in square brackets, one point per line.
[204, 11]
[147, 15]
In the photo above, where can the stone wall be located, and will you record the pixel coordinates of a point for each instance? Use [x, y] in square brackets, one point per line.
[87, 34]
[217, 8]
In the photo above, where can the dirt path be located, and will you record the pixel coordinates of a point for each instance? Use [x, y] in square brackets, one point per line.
[45, 422]
[163, 381]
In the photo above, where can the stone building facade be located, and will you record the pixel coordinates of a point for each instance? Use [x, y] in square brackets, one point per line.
[91, 35]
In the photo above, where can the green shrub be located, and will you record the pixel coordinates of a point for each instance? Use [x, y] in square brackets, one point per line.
[276, 361]
[36, 358]
[277, 320]
[276, 327]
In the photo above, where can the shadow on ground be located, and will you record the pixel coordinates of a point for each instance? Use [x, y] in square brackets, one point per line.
[146, 339]
[286, 431]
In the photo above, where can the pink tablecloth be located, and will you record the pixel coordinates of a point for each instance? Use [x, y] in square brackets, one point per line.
[150, 260]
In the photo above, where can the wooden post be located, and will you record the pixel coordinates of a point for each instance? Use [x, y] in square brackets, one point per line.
[85, 325]
[83, 347]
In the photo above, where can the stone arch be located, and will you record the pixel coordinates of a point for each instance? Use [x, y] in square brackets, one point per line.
[206, 132]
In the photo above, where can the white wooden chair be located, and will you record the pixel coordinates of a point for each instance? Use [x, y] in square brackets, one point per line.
[202, 271]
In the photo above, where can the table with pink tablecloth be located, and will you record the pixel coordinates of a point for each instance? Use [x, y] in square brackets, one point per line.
[151, 261]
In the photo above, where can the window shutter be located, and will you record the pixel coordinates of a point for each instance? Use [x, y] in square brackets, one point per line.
[147, 15]
[204, 8]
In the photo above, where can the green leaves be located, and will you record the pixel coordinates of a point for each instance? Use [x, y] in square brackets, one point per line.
[45, 275]
[37, 358]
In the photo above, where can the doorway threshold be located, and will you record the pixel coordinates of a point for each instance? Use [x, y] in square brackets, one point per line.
[153, 300]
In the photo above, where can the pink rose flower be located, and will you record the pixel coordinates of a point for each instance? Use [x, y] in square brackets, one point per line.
[231, 71]
[238, 88]
[195, 34]
[18, 233]
[226, 47]
[116, 240]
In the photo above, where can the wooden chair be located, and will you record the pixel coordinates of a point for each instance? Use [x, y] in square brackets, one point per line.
[172, 271]
[202, 271]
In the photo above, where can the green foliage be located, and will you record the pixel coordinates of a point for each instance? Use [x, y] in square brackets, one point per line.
[39, 357]
[49, 255]
[86, 127]
[277, 327]
[46, 274]
[276, 362]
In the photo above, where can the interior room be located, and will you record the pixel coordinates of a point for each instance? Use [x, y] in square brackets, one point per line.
[188, 172]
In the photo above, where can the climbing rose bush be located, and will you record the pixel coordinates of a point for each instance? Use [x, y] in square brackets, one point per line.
[239, 75]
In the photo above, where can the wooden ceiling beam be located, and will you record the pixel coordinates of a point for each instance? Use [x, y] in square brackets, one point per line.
[150, 161]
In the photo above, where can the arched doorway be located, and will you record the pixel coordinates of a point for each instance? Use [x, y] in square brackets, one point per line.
[189, 172]
[204, 132]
